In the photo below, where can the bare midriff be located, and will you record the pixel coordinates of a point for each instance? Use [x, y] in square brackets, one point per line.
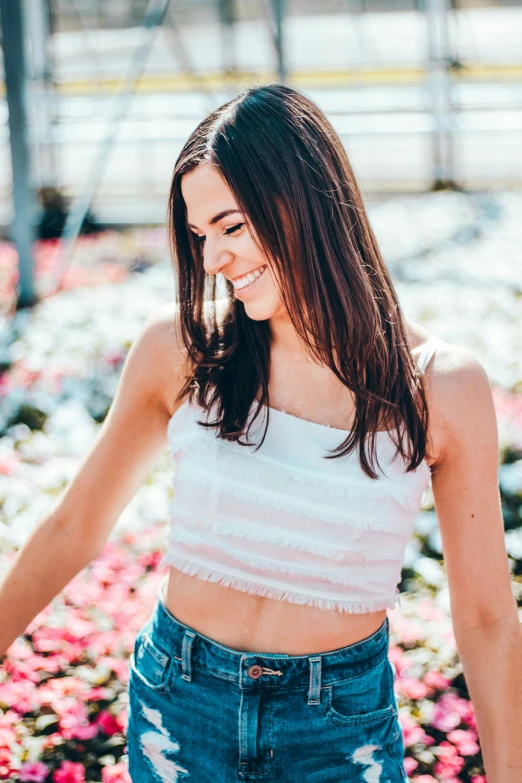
[252, 623]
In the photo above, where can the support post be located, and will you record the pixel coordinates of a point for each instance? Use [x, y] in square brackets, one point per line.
[439, 81]
[15, 67]
[227, 17]
[279, 14]
[38, 25]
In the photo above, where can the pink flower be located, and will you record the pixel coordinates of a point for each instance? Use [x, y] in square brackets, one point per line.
[449, 711]
[428, 611]
[465, 741]
[424, 779]
[116, 773]
[411, 687]
[99, 693]
[70, 772]
[51, 740]
[412, 732]
[410, 765]
[436, 680]
[7, 736]
[6, 758]
[9, 464]
[86, 732]
[408, 631]
[34, 771]
[479, 779]
[19, 670]
[449, 763]
[21, 694]
[108, 723]
[9, 718]
[74, 721]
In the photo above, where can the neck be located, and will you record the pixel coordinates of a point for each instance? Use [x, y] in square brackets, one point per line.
[285, 340]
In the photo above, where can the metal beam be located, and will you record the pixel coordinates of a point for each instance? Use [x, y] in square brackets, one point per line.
[440, 92]
[38, 25]
[227, 16]
[279, 14]
[15, 67]
[153, 20]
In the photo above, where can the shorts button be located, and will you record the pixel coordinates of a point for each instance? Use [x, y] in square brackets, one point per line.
[255, 672]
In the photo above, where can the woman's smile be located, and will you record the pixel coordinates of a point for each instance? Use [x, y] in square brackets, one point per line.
[247, 282]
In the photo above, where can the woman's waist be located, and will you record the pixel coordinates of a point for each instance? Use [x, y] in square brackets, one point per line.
[257, 623]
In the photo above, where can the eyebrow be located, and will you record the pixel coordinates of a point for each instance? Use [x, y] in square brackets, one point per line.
[218, 217]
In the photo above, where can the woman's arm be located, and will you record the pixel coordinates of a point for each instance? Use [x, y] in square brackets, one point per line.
[467, 502]
[128, 444]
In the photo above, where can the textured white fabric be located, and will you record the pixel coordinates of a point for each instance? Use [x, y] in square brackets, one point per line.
[285, 523]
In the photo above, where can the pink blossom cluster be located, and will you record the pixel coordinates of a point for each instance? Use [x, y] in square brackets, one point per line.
[98, 259]
[63, 684]
[437, 718]
[508, 407]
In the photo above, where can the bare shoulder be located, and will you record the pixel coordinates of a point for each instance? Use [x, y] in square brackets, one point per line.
[163, 354]
[459, 399]
[163, 327]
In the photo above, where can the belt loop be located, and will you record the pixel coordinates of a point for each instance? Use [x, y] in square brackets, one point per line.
[314, 692]
[186, 672]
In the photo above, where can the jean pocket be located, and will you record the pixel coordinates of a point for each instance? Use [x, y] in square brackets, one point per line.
[150, 664]
[365, 698]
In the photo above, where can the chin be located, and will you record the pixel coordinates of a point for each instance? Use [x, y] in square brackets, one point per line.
[261, 309]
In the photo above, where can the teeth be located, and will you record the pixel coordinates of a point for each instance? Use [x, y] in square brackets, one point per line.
[247, 279]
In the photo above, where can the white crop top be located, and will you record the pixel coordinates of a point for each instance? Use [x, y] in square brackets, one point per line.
[285, 523]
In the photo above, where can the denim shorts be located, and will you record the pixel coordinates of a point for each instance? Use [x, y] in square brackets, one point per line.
[206, 713]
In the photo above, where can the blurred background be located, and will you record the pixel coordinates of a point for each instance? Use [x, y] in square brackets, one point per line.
[424, 93]
[96, 100]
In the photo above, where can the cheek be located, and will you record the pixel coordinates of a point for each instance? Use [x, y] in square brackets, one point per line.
[247, 248]
[271, 285]
[271, 301]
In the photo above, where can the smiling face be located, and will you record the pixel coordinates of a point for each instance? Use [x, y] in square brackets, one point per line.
[227, 244]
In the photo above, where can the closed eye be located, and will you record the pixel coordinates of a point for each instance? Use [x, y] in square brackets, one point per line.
[233, 229]
[198, 239]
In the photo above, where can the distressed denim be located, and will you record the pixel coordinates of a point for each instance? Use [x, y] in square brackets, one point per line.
[206, 713]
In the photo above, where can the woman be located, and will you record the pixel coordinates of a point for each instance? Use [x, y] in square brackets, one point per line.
[306, 416]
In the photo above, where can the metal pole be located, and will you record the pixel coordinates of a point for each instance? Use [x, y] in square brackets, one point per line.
[440, 92]
[37, 19]
[183, 57]
[153, 20]
[227, 18]
[279, 13]
[15, 67]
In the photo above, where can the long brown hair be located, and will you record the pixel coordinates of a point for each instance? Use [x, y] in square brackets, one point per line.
[290, 174]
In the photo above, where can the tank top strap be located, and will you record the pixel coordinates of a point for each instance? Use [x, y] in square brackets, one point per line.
[427, 352]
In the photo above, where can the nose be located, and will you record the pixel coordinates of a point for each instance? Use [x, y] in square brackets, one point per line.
[214, 258]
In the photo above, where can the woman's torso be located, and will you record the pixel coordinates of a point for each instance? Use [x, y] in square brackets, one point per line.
[257, 623]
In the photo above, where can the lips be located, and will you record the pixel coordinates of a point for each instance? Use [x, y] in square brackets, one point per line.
[249, 279]
[246, 289]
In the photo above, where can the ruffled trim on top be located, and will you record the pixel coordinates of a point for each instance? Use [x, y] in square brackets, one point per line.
[269, 564]
[269, 591]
